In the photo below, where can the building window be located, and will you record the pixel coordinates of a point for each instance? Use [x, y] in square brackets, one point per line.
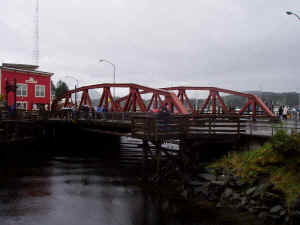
[22, 90]
[39, 91]
[22, 105]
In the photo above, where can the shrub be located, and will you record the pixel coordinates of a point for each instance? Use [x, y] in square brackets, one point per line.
[286, 144]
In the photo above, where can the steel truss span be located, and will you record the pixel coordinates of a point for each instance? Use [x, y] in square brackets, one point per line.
[139, 98]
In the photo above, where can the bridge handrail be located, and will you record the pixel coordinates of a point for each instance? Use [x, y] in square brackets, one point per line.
[156, 128]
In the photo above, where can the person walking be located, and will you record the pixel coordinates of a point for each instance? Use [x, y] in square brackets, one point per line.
[285, 112]
[280, 111]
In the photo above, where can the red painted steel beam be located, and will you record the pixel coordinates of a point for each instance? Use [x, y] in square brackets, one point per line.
[205, 104]
[227, 91]
[222, 103]
[180, 108]
[177, 102]
[150, 103]
[263, 106]
[257, 100]
[188, 102]
[140, 102]
[249, 102]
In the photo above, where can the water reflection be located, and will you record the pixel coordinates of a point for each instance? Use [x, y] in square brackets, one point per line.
[85, 188]
[73, 190]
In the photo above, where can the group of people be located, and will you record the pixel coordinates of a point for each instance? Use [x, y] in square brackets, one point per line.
[101, 111]
[163, 117]
[284, 113]
[86, 112]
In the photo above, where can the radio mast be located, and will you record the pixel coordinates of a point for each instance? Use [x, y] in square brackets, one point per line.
[36, 51]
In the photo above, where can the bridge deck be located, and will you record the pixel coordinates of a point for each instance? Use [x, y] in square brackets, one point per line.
[150, 126]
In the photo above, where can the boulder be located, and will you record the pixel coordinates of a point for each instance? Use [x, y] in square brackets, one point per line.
[207, 176]
[184, 194]
[262, 215]
[236, 196]
[250, 191]
[224, 178]
[196, 183]
[276, 209]
[227, 193]
[218, 183]
[243, 201]
[271, 199]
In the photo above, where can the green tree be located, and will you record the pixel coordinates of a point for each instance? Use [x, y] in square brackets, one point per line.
[61, 88]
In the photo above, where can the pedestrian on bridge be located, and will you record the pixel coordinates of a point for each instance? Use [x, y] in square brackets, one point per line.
[285, 112]
[163, 117]
[99, 111]
[104, 112]
[280, 112]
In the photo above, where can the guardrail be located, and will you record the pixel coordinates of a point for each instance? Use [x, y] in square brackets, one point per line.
[264, 128]
[157, 127]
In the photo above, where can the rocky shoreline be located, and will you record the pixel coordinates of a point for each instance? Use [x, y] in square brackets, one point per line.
[224, 190]
[261, 200]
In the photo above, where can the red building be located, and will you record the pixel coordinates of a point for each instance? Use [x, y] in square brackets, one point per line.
[33, 86]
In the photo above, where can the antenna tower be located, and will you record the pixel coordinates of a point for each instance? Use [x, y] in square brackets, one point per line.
[36, 51]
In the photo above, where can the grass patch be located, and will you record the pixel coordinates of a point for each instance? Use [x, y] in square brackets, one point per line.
[278, 160]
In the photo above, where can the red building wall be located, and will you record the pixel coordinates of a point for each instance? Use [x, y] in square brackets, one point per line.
[26, 77]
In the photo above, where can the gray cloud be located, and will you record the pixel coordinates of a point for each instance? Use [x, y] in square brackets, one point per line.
[241, 45]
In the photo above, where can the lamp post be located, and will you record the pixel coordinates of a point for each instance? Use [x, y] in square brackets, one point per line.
[298, 17]
[75, 88]
[291, 13]
[114, 67]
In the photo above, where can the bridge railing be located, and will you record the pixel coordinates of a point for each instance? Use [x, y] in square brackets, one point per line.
[267, 128]
[154, 127]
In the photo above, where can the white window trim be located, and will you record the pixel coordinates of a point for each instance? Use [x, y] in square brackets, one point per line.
[21, 91]
[38, 85]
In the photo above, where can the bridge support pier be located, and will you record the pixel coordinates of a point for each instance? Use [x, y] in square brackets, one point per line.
[158, 156]
[146, 151]
[184, 149]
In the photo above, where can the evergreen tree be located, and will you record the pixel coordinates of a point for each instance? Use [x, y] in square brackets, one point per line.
[61, 88]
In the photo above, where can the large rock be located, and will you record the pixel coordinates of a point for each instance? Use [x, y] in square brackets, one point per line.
[271, 198]
[243, 201]
[224, 178]
[250, 191]
[236, 196]
[207, 176]
[227, 193]
[276, 209]
[196, 183]
[263, 215]
[218, 183]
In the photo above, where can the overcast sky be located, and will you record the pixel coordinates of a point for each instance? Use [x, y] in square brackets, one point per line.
[240, 45]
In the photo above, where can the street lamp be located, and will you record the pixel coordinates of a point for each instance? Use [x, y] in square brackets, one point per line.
[114, 66]
[298, 17]
[291, 13]
[75, 88]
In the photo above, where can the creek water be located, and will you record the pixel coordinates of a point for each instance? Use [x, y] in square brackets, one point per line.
[68, 188]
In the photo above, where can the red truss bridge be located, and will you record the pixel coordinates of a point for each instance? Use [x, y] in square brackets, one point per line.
[136, 99]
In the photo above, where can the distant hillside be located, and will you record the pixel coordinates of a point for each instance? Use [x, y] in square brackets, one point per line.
[285, 98]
